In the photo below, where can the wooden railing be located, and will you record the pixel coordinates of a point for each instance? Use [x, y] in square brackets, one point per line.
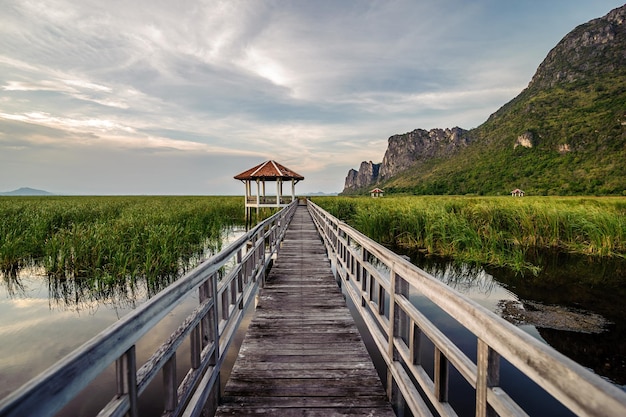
[399, 329]
[210, 328]
[269, 200]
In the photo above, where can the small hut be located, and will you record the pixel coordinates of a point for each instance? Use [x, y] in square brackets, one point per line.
[517, 193]
[376, 192]
[268, 171]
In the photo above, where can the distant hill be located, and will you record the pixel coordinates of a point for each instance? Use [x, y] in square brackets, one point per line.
[25, 191]
[565, 134]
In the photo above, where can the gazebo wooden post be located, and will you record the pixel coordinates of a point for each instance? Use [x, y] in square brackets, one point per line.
[247, 207]
[258, 193]
[263, 190]
[293, 190]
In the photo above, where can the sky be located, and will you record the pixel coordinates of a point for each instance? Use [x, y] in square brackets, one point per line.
[161, 97]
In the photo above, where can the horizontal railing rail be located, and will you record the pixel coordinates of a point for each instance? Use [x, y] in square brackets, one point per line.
[398, 329]
[210, 329]
[269, 200]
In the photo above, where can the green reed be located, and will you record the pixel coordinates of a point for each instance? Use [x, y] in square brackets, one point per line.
[489, 230]
[110, 241]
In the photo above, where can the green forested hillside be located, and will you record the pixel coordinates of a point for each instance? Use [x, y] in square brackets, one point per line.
[573, 119]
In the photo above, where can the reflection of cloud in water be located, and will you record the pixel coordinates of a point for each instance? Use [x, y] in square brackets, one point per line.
[88, 294]
[45, 318]
[27, 302]
[34, 336]
[471, 281]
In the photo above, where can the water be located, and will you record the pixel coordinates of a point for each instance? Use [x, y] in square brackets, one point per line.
[583, 284]
[575, 284]
[37, 330]
[43, 319]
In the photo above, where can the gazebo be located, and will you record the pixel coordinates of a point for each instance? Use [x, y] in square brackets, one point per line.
[377, 192]
[268, 171]
[517, 193]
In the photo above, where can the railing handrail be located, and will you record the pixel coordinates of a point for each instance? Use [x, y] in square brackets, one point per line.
[47, 393]
[397, 336]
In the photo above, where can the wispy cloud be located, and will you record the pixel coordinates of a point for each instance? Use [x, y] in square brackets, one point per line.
[317, 85]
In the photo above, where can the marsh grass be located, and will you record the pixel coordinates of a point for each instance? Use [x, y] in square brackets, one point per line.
[498, 231]
[104, 244]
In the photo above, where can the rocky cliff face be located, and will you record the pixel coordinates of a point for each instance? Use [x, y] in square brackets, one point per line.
[590, 50]
[366, 175]
[565, 134]
[405, 151]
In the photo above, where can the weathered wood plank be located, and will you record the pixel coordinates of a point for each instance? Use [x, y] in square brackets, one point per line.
[290, 402]
[302, 354]
[300, 412]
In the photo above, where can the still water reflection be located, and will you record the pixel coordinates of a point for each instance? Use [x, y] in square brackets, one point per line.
[574, 284]
[43, 318]
[575, 304]
[578, 284]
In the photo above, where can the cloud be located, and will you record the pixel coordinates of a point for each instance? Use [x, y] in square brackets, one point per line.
[319, 86]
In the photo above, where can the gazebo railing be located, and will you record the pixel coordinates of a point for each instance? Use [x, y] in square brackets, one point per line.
[269, 200]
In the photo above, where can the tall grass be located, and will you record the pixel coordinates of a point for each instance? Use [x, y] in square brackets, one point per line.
[489, 230]
[106, 242]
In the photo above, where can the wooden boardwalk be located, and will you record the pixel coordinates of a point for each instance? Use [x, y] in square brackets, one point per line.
[302, 354]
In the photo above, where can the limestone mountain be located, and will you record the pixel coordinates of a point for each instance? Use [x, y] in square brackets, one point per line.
[564, 134]
[366, 175]
[409, 149]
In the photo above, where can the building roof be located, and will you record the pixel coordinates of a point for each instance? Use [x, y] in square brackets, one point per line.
[377, 190]
[269, 170]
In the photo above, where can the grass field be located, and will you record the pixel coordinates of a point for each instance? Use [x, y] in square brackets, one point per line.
[498, 231]
[110, 241]
[106, 241]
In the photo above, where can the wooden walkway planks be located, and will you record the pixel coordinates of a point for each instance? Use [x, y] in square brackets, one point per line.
[302, 354]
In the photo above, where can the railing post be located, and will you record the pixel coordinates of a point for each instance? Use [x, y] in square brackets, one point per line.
[196, 347]
[260, 256]
[364, 260]
[207, 331]
[225, 303]
[415, 344]
[126, 370]
[397, 327]
[392, 388]
[240, 280]
[204, 293]
[234, 291]
[441, 376]
[214, 396]
[169, 384]
[213, 319]
[488, 376]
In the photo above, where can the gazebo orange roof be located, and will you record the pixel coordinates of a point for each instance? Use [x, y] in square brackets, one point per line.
[269, 170]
